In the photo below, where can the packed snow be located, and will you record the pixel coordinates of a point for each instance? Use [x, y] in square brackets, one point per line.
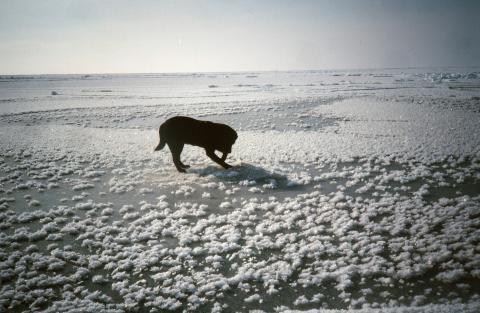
[350, 190]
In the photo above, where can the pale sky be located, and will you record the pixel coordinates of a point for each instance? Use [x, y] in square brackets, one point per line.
[142, 36]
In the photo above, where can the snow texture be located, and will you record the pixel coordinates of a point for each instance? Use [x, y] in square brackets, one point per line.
[351, 190]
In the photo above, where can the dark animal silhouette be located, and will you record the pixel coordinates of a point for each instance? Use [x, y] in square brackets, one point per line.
[180, 130]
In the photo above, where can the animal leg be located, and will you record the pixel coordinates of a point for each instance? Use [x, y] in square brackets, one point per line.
[211, 154]
[224, 156]
[176, 149]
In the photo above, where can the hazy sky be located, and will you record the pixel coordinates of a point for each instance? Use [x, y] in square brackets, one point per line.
[100, 36]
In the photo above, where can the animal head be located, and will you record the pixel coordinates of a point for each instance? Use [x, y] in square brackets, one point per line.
[228, 139]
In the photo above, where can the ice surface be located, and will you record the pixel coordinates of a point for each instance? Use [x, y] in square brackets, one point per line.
[351, 190]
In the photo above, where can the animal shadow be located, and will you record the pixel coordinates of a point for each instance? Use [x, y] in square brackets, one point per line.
[246, 174]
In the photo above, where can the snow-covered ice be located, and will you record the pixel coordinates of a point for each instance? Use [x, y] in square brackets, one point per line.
[351, 190]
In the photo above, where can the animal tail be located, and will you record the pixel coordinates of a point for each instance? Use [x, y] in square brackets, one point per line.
[162, 141]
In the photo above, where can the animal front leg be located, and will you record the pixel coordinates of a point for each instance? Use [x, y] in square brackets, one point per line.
[224, 156]
[184, 165]
[211, 154]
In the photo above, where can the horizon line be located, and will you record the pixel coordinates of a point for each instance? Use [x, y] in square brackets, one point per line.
[250, 71]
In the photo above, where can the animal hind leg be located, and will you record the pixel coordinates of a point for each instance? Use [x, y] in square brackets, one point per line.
[176, 149]
[183, 165]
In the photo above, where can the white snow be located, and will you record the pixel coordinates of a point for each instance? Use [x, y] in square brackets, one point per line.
[351, 191]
